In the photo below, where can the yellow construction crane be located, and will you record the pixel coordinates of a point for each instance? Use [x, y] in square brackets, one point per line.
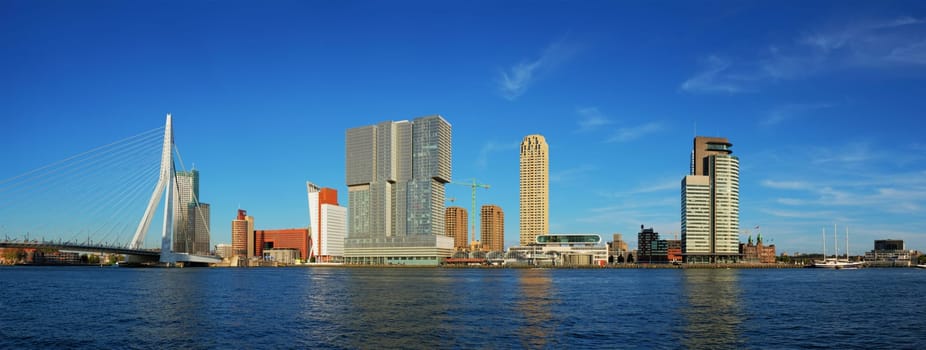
[472, 215]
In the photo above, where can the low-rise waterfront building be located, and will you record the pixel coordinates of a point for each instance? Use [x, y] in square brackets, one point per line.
[617, 249]
[561, 249]
[286, 256]
[757, 252]
[889, 252]
[673, 250]
[652, 249]
[295, 238]
[224, 250]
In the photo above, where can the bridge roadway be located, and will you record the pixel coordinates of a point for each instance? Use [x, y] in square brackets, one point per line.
[78, 247]
[150, 253]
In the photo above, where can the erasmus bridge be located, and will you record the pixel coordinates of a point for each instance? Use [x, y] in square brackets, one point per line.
[101, 201]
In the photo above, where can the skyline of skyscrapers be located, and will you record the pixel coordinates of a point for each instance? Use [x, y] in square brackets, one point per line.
[412, 158]
[534, 189]
[492, 228]
[395, 175]
[710, 203]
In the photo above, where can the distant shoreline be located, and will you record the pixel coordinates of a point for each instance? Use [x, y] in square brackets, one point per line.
[513, 266]
[593, 267]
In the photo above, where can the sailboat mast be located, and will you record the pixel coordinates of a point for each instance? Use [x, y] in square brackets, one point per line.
[847, 243]
[824, 243]
[835, 244]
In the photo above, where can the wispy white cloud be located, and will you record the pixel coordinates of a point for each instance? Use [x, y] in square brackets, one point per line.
[914, 53]
[591, 119]
[903, 193]
[789, 112]
[646, 188]
[802, 214]
[631, 133]
[851, 153]
[571, 173]
[715, 77]
[786, 185]
[871, 44]
[491, 147]
[514, 82]
[792, 201]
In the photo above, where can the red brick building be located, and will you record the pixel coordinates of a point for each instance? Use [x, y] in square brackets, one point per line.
[758, 252]
[296, 238]
[674, 250]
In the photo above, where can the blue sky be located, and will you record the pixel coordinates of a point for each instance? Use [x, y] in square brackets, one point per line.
[822, 101]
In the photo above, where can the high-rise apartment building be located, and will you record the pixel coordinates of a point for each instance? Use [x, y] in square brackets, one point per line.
[395, 174]
[242, 229]
[328, 224]
[710, 203]
[535, 188]
[191, 217]
[493, 228]
[455, 226]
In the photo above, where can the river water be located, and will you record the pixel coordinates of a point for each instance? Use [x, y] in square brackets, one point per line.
[350, 308]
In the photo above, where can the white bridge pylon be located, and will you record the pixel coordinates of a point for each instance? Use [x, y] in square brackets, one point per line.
[166, 188]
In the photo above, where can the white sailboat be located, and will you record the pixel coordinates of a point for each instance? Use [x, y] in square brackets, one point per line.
[835, 262]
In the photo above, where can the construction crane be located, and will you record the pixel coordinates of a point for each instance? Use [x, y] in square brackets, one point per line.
[472, 215]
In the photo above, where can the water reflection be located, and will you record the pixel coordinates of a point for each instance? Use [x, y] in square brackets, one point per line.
[713, 314]
[535, 306]
[395, 308]
[176, 308]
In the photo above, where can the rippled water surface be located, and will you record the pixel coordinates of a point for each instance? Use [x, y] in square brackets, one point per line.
[202, 308]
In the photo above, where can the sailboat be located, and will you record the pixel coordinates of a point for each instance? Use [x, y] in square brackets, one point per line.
[835, 262]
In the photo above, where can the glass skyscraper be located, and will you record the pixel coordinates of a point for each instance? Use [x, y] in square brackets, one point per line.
[191, 218]
[395, 174]
[710, 203]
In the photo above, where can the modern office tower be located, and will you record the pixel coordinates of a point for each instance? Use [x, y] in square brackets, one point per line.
[240, 234]
[327, 222]
[199, 222]
[395, 174]
[187, 192]
[455, 226]
[535, 188]
[493, 228]
[710, 203]
[191, 218]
